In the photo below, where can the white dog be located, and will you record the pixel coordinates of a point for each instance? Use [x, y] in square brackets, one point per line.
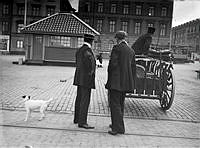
[35, 104]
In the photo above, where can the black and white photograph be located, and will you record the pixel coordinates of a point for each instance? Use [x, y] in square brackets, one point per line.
[100, 73]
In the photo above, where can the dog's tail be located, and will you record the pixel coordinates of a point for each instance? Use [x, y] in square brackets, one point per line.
[49, 100]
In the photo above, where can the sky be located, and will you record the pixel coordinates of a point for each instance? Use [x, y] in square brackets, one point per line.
[184, 10]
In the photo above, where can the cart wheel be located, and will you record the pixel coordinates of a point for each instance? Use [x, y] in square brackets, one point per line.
[167, 94]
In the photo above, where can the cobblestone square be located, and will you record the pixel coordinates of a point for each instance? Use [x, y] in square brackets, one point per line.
[144, 118]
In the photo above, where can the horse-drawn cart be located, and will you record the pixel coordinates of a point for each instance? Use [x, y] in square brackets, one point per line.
[155, 78]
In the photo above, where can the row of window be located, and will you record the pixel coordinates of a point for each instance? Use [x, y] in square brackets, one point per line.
[125, 26]
[182, 34]
[193, 29]
[63, 41]
[126, 9]
[112, 27]
[35, 9]
[57, 41]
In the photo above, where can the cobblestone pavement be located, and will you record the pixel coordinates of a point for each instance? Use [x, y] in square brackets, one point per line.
[177, 127]
[42, 82]
[57, 130]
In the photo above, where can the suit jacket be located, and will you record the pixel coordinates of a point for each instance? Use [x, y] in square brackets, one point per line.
[142, 44]
[85, 67]
[121, 68]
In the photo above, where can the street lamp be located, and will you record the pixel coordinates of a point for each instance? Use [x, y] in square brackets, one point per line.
[25, 12]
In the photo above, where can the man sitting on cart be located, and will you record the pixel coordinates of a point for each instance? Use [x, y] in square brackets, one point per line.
[142, 44]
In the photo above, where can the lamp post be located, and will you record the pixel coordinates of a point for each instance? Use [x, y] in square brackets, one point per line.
[25, 12]
[197, 44]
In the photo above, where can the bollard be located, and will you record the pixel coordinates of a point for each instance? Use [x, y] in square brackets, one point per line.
[198, 73]
[20, 61]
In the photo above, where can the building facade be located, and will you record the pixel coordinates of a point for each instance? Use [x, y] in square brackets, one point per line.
[16, 14]
[132, 16]
[186, 38]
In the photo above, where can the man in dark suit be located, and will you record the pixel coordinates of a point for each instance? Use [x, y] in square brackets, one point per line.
[84, 79]
[121, 74]
[142, 44]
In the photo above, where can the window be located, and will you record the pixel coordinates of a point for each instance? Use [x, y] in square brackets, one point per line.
[99, 25]
[19, 27]
[60, 41]
[80, 42]
[20, 9]
[125, 9]
[125, 26]
[150, 25]
[50, 10]
[164, 11]
[137, 27]
[163, 29]
[151, 11]
[5, 26]
[112, 26]
[113, 8]
[110, 45]
[97, 45]
[35, 10]
[87, 7]
[138, 10]
[5, 9]
[20, 44]
[65, 41]
[194, 29]
[86, 20]
[100, 7]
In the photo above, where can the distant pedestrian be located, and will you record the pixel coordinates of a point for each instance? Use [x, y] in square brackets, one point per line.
[142, 44]
[84, 79]
[99, 60]
[121, 74]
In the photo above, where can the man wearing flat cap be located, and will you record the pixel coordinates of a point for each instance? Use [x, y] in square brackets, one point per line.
[84, 79]
[121, 75]
[142, 44]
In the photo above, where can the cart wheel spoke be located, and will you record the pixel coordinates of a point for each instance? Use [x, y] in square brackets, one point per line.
[167, 95]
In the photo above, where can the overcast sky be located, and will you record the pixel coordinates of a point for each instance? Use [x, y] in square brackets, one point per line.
[184, 10]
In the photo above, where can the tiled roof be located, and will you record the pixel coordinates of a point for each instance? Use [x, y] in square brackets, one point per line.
[60, 23]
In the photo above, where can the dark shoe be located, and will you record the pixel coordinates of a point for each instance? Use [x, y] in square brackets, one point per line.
[114, 133]
[86, 126]
[110, 125]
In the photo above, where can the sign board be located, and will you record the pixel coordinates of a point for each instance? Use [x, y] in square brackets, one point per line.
[4, 42]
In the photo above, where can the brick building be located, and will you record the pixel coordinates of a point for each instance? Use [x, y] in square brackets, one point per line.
[132, 16]
[12, 19]
[186, 37]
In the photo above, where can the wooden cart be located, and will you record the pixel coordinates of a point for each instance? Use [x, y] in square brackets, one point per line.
[155, 78]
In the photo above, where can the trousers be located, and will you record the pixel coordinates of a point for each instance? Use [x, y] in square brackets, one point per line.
[81, 105]
[117, 110]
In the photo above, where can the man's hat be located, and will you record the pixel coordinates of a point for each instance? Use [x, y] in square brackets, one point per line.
[89, 36]
[151, 30]
[121, 35]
